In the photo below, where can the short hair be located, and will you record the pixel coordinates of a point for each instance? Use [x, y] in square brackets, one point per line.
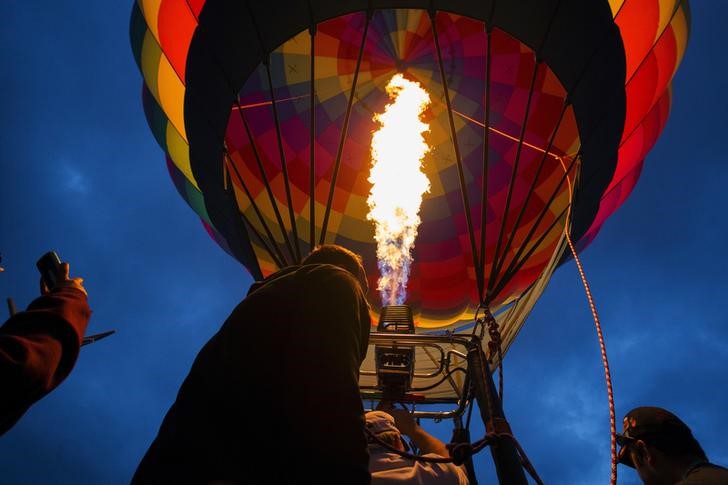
[341, 257]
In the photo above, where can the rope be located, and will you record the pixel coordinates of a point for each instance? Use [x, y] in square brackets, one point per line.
[495, 347]
[479, 321]
[605, 361]
[461, 452]
[525, 462]
[374, 438]
[602, 346]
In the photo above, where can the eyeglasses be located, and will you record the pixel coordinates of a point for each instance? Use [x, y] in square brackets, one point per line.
[625, 440]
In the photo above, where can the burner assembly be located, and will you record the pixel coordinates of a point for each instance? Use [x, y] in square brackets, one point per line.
[395, 364]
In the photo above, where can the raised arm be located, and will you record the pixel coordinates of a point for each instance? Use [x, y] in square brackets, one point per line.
[407, 425]
[39, 347]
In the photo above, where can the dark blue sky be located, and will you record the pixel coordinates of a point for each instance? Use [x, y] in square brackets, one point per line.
[81, 173]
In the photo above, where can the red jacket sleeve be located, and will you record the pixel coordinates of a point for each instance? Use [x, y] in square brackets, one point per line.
[38, 349]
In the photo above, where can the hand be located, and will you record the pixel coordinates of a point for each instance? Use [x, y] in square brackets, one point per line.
[63, 281]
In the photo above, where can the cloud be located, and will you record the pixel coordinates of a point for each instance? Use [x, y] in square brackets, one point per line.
[74, 180]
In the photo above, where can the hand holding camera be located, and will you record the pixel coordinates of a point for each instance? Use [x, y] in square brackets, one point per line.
[55, 274]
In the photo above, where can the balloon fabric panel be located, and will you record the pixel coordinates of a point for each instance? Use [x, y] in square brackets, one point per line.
[443, 275]
[632, 154]
[519, 241]
[176, 25]
[655, 34]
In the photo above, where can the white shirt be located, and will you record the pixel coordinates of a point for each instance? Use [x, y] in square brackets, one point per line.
[390, 468]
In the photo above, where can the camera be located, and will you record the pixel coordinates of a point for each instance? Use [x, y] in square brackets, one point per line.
[49, 266]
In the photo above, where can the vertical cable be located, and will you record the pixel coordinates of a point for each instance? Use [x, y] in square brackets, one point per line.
[312, 140]
[486, 164]
[456, 147]
[344, 129]
[514, 175]
[284, 165]
[531, 189]
[517, 261]
[260, 239]
[280, 259]
[268, 190]
[517, 266]
[483, 257]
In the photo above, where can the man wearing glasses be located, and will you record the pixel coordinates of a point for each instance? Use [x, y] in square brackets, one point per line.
[663, 450]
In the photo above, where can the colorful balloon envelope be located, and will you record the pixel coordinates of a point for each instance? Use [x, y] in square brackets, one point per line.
[541, 114]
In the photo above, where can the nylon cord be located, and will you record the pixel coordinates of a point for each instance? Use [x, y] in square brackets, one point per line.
[600, 335]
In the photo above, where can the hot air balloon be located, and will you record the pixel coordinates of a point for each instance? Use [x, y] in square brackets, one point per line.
[540, 115]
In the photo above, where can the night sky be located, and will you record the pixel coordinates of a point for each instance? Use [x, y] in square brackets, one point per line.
[81, 173]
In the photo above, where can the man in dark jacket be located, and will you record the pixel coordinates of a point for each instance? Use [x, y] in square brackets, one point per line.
[280, 378]
[39, 347]
[663, 450]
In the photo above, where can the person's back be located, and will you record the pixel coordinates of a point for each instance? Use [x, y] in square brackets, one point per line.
[390, 468]
[279, 378]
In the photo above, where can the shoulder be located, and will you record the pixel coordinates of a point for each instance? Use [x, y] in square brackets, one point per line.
[329, 278]
[324, 271]
[309, 273]
[706, 474]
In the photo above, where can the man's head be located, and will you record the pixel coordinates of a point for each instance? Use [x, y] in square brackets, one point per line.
[341, 257]
[381, 424]
[657, 443]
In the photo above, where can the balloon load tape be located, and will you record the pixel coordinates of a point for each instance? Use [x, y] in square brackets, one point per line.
[395, 363]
